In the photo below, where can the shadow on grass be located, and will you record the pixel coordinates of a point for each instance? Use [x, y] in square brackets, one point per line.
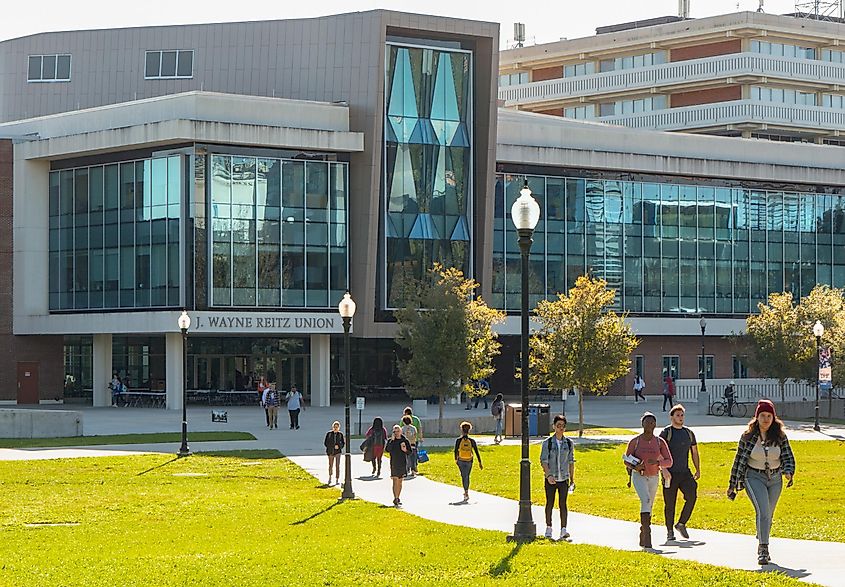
[315, 514]
[151, 469]
[504, 566]
[269, 453]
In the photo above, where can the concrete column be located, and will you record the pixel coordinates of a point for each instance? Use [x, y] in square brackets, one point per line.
[102, 356]
[174, 374]
[320, 361]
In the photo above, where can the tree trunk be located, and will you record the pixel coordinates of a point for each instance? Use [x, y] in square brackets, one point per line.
[440, 402]
[580, 412]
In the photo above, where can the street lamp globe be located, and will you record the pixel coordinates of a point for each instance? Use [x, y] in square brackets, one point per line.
[702, 323]
[346, 307]
[525, 211]
[184, 321]
[818, 329]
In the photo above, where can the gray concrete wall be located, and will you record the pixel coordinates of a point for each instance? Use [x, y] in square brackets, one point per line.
[804, 410]
[40, 423]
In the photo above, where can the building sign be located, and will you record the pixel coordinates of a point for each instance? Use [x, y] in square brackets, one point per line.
[265, 323]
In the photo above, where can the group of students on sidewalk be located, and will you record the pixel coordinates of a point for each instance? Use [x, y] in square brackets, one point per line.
[270, 400]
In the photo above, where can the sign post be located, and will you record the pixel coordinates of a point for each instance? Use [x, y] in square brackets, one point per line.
[359, 405]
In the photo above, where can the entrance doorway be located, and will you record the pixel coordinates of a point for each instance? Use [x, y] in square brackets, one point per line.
[225, 372]
[28, 383]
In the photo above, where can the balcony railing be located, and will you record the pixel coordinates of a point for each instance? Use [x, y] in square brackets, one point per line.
[677, 73]
[736, 112]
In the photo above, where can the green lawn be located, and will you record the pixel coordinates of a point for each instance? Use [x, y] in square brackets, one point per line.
[154, 438]
[258, 520]
[813, 509]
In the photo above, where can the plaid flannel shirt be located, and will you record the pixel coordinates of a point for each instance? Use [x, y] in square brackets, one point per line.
[743, 452]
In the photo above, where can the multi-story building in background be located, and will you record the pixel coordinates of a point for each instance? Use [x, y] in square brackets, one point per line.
[748, 74]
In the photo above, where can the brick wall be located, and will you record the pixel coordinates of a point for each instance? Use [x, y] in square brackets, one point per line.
[708, 50]
[47, 350]
[711, 96]
[544, 73]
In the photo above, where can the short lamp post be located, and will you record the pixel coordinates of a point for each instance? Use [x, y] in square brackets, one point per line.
[525, 214]
[818, 332]
[184, 324]
[703, 324]
[346, 307]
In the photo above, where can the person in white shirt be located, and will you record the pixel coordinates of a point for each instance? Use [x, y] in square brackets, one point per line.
[294, 399]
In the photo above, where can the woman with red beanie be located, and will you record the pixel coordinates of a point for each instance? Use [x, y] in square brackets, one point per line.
[763, 459]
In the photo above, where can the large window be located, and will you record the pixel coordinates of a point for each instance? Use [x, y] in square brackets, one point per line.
[168, 64]
[783, 96]
[428, 179]
[279, 234]
[513, 79]
[114, 235]
[782, 50]
[669, 247]
[633, 61]
[48, 68]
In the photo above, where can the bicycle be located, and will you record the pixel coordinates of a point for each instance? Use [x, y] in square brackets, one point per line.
[720, 408]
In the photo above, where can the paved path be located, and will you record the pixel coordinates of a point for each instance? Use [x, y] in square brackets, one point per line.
[812, 561]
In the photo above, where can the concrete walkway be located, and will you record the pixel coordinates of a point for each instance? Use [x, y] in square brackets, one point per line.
[812, 561]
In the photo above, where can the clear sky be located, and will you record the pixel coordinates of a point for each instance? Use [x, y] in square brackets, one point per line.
[545, 21]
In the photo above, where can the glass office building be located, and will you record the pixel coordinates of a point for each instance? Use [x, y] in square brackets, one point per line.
[671, 245]
[428, 183]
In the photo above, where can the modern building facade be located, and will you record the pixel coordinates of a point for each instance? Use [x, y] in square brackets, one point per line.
[253, 172]
[747, 74]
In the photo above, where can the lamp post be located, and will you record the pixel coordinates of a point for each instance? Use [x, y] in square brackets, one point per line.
[818, 332]
[525, 213]
[346, 307]
[184, 323]
[703, 324]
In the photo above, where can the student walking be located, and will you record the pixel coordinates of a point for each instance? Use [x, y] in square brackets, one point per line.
[398, 448]
[334, 443]
[668, 391]
[374, 441]
[409, 431]
[464, 449]
[294, 399]
[557, 458]
[417, 423]
[639, 386]
[262, 388]
[271, 405]
[645, 456]
[682, 443]
[498, 411]
[763, 458]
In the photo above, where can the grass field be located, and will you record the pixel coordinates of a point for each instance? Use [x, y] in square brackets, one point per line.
[257, 520]
[153, 438]
[814, 508]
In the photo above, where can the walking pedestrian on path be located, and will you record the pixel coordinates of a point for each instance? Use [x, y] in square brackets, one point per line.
[682, 443]
[270, 399]
[557, 458]
[409, 431]
[334, 443]
[398, 448]
[650, 454]
[294, 399]
[668, 390]
[464, 447]
[639, 386]
[417, 423]
[373, 444]
[263, 386]
[763, 459]
[498, 411]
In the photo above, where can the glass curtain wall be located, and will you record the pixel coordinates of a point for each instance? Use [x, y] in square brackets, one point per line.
[114, 235]
[428, 182]
[669, 247]
[279, 236]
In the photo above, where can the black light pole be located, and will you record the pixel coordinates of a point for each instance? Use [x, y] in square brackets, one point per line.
[184, 324]
[703, 324]
[346, 307]
[818, 332]
[525, 214]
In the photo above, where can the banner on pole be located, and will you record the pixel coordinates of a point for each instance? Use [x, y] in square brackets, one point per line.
[825, 370]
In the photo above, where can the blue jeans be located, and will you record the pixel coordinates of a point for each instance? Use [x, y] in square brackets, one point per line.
[412, 459]
[764, 494]
[498, 427]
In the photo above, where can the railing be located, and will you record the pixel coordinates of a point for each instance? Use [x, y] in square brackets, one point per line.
[680, 72]
[748, 390]
[735, 112]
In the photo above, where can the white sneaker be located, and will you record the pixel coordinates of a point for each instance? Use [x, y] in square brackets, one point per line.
[549, 532]
[564, 534]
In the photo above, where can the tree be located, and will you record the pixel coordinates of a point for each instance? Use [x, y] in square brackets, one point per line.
[827, 305]
[448, 337]
[580, 343]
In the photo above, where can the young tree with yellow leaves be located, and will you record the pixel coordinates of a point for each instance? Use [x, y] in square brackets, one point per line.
[580, 343]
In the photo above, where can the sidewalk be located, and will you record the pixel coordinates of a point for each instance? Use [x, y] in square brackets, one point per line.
[812, 561]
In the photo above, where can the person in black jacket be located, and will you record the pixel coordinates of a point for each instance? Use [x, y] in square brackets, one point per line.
[334, 447]
[398, 448]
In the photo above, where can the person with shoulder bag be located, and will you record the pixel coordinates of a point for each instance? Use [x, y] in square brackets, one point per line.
[557, 458]
[763, 459]
[682, 445]
[334, 443]
[639, 386]
[498, 412]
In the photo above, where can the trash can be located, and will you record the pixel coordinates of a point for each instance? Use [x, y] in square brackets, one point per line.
[539, 419]
[513, 420]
